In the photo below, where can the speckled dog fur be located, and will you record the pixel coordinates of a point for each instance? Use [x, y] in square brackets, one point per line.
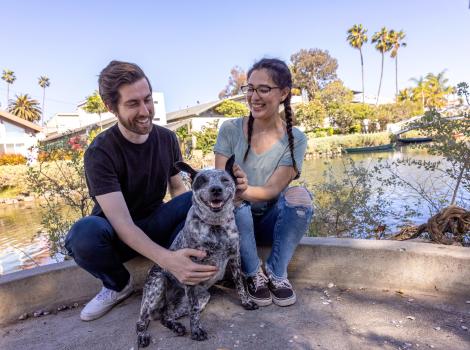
[209, 228]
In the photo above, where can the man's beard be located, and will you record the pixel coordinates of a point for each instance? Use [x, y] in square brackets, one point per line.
[135, 127]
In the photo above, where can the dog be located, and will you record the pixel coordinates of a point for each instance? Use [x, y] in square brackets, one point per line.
[210, 226]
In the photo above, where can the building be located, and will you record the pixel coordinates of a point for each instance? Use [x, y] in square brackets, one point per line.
[62, 123]
[17, 135]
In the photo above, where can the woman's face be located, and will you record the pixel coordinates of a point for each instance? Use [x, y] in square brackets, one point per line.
[264, 96]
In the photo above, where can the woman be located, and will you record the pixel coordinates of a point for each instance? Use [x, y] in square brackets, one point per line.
[270, 151]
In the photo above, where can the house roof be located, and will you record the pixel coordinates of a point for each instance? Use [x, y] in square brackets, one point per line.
[196, 110]
[104, 123]
[19, 121]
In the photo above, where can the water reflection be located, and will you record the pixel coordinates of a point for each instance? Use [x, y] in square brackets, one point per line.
[19, 224]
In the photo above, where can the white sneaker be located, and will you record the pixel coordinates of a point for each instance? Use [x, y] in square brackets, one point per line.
[104, 301]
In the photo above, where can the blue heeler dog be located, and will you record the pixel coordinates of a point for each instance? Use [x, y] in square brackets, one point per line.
[210, 226]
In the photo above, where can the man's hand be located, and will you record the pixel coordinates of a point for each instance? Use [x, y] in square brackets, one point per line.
[185, 270]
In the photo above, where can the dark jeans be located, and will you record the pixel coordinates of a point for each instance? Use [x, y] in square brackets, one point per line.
[96, 247]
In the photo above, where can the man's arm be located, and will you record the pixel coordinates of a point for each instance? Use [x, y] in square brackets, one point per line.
[177, 262]
[176, 186]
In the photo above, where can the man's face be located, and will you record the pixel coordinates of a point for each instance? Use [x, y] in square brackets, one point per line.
[135, 109]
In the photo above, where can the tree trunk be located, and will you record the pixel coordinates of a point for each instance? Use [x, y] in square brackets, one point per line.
[380, 81]
[396, 78]
[362, 73]
[8, 95]
[43, 98]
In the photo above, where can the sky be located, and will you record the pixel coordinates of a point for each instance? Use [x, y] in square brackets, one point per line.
[187, 48]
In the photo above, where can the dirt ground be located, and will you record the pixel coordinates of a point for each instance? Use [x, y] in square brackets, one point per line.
[322, 318]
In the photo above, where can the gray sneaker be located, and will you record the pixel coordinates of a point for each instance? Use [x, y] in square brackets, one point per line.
[104, 301]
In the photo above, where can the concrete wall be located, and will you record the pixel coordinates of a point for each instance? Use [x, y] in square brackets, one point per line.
[443, 271]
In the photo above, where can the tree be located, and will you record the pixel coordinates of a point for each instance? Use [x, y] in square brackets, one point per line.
[25, 107]
[229, 108]
[9, 77]
[94, 104]
[382, 44]
[43, 82]
[436, 90]
[236, 80]
[310, 115]
[335, 92]
[418, 91]
[405, 95]
[462, 90]
[313, 69]
[356, 38]
[396, 41]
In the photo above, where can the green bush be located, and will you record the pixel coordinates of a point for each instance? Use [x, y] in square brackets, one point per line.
[230, 108]
[12, 159]
[206, 138]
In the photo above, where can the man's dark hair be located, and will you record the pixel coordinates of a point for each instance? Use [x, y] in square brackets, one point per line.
[113, 76]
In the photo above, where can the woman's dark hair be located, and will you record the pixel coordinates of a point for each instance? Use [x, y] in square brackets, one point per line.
[113, 76]
[280, 74]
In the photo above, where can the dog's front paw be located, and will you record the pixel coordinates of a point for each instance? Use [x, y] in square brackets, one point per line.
[199, 334]
[250, 305]
[179, 329]
[143, 339]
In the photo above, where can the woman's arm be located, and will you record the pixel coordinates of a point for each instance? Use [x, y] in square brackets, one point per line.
[279, 180]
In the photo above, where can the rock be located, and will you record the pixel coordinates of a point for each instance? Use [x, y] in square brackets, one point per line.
[23, 317]
[331, 285]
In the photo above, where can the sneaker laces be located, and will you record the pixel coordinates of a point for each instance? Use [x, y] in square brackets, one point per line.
[281, 283]
[259, 280]
[105, 294]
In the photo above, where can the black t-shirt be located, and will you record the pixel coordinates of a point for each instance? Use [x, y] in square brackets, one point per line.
[140, 171]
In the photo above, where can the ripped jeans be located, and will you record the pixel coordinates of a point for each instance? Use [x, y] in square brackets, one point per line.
[281, 225]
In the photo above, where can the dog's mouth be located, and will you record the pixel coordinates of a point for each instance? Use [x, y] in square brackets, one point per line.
[215, 205]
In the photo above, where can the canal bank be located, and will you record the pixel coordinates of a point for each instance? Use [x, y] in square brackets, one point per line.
[351, 294]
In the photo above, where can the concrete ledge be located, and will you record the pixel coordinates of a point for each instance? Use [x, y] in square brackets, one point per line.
[414, 267]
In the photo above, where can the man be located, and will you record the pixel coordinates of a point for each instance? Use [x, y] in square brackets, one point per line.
[128, 168]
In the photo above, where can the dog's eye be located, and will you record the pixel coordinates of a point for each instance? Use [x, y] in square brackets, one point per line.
[225, 180]
[200, 181]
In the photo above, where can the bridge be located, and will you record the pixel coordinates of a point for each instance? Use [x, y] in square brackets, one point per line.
[404, 126]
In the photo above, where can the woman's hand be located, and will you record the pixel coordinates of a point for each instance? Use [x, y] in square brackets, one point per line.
[241, 181]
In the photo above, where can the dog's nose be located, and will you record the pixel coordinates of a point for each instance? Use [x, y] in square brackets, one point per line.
[216, 190]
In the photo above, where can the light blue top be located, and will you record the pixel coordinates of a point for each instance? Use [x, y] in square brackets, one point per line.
[259, 167]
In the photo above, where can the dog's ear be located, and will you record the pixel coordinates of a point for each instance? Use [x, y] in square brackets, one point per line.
[229, 167]
[182, 166]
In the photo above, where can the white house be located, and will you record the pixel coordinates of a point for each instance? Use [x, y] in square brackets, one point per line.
[63, 122]
[16, 134]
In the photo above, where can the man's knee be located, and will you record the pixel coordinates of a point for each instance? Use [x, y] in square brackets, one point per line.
[87, 234]
[298, 196]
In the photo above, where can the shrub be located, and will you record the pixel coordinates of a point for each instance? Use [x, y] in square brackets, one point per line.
[229, 108]
[12, 159]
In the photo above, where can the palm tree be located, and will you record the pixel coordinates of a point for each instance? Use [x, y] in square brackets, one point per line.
[396, 41]
[25, 107]
[356, 38]
[43, 82]
[405, 95]
[94, 104]
[9, 77]
[437, 90]
[419, 89]
[382, 44]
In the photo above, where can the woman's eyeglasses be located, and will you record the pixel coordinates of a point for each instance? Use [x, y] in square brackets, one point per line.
[262, 90]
